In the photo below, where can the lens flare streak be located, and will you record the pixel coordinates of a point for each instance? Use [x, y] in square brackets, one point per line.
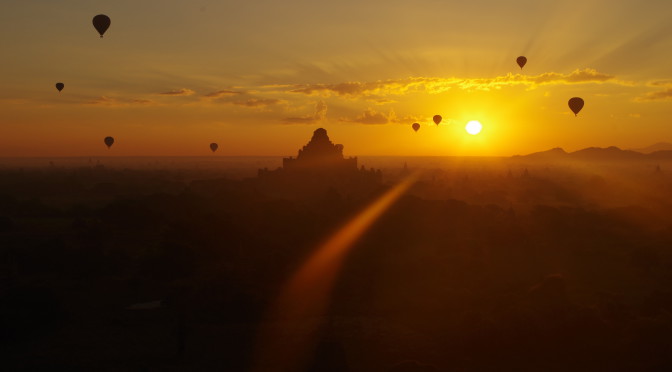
[307, 293]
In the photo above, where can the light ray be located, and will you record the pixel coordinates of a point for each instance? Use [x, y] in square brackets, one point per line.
[307, 293]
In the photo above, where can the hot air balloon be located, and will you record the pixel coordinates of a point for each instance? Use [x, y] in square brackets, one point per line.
[576, 104]
[101, 22]
[109, 141]
[521, 61]
[437, 119]
[214, 147]
[416, 126]
[60, 86]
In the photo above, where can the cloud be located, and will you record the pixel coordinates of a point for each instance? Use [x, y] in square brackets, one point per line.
[434, 85]
[661, 95]
[548, 78]
[661, 83]
[359, 89]
[371, 116]
[587, 75]
[119, 102]
[178, 92]
[382, 101]
[258, 102]
[241, 98]
[140, 102]
[222, 93]
[319, 115]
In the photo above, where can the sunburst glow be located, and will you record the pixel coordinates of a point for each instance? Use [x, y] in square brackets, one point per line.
[473, 127]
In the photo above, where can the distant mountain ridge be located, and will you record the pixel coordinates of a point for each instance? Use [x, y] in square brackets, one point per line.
[602, 154]
[660, 146]
[555, 152]
[609, 153]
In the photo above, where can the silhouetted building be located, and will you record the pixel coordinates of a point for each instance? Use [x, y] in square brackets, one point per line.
[320, 155]
[319, 166]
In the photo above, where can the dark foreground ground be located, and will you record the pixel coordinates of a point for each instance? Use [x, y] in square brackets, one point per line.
[487, 269]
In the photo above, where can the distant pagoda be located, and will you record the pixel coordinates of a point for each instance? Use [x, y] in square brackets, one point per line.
[320, 155]
[319, 166]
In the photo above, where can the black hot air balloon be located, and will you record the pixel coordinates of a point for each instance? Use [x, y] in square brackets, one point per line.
[576, 104]
[416, 126]
[214, 147]
[60, 86]
[101, 22]
[521, 61]
[109, 141]
[437, 119]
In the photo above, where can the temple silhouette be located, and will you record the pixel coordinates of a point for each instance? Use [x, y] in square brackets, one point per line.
[320, 155]
[319, 167]
[319, 171]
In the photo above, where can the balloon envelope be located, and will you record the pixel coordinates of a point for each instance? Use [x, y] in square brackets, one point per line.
[60, 86]
[101, 22]
[575, 104]
[109, 141]
[521, 61]
[437, 119]
[214, 147]
[416, 126]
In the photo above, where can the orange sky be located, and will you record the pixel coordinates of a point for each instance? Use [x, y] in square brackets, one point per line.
[258, 77]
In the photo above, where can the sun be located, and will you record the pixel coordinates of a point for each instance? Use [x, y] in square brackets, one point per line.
[473, 127]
